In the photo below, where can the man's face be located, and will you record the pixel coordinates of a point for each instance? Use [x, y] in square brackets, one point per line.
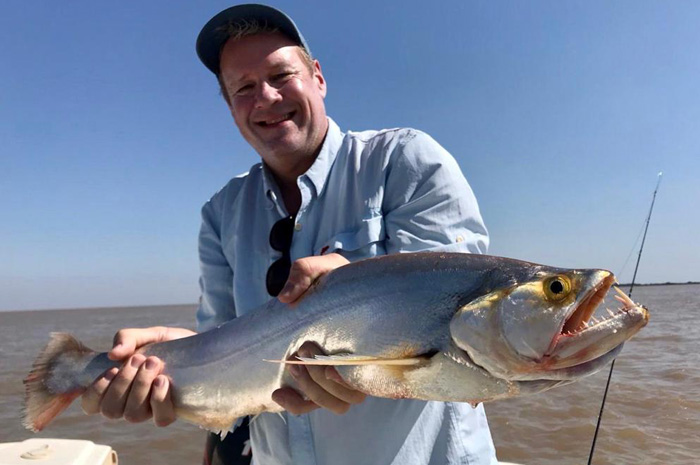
[275, 99]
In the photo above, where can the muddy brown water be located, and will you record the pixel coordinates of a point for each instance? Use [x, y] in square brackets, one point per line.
[652, 414]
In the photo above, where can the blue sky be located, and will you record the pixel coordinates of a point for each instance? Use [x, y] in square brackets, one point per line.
[561, 114]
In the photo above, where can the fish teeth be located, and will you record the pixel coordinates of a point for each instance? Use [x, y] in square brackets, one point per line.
[624, 298]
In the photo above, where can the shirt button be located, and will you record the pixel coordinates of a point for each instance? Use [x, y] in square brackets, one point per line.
[460, 239]
[297, 227]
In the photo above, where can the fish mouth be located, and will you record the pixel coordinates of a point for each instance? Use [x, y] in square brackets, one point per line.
[579, 319]
[583, 337]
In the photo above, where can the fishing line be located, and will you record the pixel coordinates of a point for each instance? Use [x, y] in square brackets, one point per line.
[632, 249]
[629, 294]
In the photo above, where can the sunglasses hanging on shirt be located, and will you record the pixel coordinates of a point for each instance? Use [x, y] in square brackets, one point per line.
[281, 241]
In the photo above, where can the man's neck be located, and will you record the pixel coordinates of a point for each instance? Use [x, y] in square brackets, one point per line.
[291, 196]
[286, 176]
[286, 180]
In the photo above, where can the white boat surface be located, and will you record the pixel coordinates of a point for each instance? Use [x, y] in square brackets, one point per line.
[48, 451]
[51, 451]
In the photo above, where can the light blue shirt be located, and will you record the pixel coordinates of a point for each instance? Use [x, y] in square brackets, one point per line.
[368, 193]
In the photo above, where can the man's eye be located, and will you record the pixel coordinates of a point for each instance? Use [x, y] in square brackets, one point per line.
[281, 76]
[244, 89]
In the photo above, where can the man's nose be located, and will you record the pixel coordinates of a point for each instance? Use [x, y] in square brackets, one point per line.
[266, 95]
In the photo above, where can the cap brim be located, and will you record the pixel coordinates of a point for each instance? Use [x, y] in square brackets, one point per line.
[215, 33]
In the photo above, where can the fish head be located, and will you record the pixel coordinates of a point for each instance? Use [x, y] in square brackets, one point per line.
[542, 325]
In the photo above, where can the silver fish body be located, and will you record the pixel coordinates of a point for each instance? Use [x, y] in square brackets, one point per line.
[451, 327]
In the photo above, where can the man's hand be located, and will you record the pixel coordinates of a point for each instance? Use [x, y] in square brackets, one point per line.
[307, 270]
[322, 386]
[136, 391]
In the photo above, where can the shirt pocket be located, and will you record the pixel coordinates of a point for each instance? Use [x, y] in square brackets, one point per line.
[364, 241]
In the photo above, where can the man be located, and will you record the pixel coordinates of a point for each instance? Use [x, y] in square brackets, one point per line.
[319, 199]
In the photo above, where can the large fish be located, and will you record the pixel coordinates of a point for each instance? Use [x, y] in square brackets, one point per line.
[450, 327]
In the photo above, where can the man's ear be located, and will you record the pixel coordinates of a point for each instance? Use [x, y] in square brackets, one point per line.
[320, 80]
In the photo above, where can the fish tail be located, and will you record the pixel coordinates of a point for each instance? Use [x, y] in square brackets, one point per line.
[41, 403]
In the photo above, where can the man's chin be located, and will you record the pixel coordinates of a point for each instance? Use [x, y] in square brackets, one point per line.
[283, 144]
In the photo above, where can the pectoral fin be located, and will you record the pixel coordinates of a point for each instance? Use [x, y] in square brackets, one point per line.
[350, 359]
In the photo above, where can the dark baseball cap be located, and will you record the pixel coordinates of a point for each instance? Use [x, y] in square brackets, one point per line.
[214, 34]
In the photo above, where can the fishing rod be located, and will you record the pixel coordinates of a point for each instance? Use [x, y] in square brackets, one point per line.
[629, 294]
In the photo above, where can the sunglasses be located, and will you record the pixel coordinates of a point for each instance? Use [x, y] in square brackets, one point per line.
[281, 241]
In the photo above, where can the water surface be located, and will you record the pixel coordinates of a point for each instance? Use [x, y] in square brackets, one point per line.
[652, 414]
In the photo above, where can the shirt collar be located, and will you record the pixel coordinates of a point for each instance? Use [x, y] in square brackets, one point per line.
[318, 172]
[321, 167]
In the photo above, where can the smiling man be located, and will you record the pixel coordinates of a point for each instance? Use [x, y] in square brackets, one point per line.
[318, 199]
[275, 93]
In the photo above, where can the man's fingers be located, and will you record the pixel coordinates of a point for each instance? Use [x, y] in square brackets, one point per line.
[90, 401]
[307, 270]
[292, 401]
[339, 387]
[128, 391]
[138, 407]
[332, 374]
[319, 375]
[302, 273]
[126, 341]
[120, 351]
[343, 393]
[161, 402]
[317, 393]
[114, 399]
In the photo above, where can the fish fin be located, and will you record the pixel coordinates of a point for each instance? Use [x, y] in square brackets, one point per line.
[349, 359]
[41, 405]
[217, 429]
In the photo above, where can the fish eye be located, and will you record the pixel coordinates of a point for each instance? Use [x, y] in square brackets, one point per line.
[557, 287]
